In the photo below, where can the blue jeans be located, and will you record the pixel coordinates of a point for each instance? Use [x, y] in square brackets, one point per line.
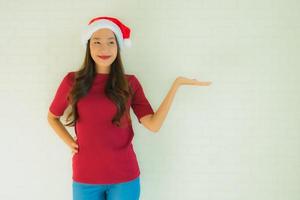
[121, 191]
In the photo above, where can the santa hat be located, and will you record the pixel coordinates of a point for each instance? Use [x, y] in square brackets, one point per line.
[121, 31]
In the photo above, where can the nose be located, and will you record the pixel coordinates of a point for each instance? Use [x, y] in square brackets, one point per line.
[104, 49]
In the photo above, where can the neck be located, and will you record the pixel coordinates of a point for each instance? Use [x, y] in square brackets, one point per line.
[103, 70]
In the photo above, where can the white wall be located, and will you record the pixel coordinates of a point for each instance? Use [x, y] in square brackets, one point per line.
[236, 139]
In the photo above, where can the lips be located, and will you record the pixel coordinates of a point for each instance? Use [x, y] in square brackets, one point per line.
[104, 57]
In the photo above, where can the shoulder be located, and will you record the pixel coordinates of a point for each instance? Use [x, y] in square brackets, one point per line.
[133, 80]
[70, 75]
[131, 77]
[69, 78]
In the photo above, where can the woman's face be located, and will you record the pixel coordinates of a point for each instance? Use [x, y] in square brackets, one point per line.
[103, 43]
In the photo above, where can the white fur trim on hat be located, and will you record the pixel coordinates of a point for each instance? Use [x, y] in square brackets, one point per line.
[103, 23]
[127, 42]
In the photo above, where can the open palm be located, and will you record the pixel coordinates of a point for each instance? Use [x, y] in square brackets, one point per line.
[187, 81]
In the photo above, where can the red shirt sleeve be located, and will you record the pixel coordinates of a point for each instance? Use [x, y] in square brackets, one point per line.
[59, 102]
[139, 102]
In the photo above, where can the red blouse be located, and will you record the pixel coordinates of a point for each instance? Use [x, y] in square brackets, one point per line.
[105, 154]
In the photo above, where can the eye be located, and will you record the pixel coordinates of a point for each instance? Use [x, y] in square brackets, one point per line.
[112, 42]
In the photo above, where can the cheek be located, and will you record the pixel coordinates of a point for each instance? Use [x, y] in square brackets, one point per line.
[93, 55]
[92, 51]
[115, 51]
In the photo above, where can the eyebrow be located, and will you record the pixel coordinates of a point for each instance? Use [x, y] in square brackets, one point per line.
[97, 38]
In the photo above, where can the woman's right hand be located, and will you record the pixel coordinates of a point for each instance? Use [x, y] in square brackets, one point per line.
[74, 147]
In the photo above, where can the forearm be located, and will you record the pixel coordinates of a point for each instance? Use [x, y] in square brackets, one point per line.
[61, 131]
[161, 113]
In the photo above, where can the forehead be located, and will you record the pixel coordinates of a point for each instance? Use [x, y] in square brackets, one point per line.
[103, 34]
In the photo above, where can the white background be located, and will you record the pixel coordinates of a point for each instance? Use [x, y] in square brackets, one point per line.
[236, 139]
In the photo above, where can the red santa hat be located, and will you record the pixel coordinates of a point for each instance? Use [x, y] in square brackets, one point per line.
[121, 31]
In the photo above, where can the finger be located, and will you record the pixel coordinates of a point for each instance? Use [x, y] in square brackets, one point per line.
[74, 144]
[73, 152]
[74, 149]
[203, 83]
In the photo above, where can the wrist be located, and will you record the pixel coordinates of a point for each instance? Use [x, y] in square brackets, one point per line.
[176, 83]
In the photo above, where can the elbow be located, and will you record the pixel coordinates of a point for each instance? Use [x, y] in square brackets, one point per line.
[155, 130]
[149, 123]
[154, 127]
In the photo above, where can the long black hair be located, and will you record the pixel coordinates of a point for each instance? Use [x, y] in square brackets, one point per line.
[117, 87]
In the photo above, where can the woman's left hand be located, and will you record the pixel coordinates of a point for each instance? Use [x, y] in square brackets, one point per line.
[180, 80]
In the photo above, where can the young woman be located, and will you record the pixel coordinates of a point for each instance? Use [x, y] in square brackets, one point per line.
[100, 95]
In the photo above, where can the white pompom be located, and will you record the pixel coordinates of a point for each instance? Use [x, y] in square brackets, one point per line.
[127, 43]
